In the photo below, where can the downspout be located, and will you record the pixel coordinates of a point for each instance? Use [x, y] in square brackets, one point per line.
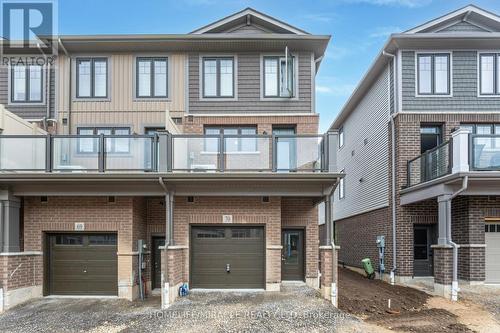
[70, 98]
[168, 241]
[393, 168]
[454, 283]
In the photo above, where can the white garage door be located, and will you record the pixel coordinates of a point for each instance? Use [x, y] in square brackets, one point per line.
[492, 235]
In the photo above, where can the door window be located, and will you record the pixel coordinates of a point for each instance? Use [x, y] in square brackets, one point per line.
[285, 149]
[420, 244]
[430, 137]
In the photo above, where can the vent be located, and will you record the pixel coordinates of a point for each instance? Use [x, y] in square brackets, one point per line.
[365, 141]
[190, 199]
[111, 199]
[265, 199]
[44, 199]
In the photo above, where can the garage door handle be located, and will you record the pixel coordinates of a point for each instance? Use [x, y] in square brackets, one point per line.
[228, 268]
[85, 271]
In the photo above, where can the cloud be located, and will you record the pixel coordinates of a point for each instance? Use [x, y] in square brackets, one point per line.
[395, 3]
[320, 17]
[384, 32]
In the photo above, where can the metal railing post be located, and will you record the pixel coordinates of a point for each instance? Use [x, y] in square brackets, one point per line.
[102, 153]
[170, 151]
[274, 153]
[48, 153]
[325, 151]
[222, 148]
[155, 153]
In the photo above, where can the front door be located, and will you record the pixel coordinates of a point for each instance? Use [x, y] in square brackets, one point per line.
[156, 261]
[292, 256]
[423, 237]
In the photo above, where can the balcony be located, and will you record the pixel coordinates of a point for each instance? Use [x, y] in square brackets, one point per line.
[464, 153]
[164, 153]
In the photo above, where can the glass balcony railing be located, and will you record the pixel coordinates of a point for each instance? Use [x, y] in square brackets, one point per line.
[430, 165]
[164, 153]
[485, 152]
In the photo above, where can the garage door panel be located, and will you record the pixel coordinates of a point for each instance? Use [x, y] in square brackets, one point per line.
[492, 262]
[240, 247]
[83, 268]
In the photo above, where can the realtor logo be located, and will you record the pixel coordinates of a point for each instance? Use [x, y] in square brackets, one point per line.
[28, 26]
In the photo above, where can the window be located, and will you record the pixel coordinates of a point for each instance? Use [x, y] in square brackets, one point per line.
[211, 233]
[92, 78]
[151, 77]
[482, 128]
[341, 137]
[278, 77]
[69, 240]
[433, 74]
[113, 144]
[102, 240]
[246, 233]
[26, 84]
[342, 187]
[218, 77]
[430, 137]
[489, 74]
[236, 142]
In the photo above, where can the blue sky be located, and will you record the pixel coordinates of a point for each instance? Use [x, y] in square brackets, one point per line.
[359, 28]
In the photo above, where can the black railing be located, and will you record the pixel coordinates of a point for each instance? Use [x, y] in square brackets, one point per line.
[432, 164]
[164, 153]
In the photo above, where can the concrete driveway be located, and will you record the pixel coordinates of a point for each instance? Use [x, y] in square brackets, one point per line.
[296, 309]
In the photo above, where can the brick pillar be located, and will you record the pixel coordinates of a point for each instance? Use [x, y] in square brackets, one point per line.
[329, 273]
[443, 270]
[175, 260]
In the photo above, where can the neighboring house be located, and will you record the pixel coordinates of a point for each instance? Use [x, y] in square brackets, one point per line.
[434, 91]
[203, 145]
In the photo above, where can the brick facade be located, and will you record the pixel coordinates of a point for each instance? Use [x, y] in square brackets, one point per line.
[20, 271]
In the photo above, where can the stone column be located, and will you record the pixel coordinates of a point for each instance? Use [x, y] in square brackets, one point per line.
[443, 270]
[329, 273]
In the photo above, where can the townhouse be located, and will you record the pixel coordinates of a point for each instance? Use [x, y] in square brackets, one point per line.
[172, 159]
[418, 142]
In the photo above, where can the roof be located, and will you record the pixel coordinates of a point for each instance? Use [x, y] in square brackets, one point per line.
[430, 35]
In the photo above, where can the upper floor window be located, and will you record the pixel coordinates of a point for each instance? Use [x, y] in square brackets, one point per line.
[341, 137]
[278, 76]
[92, 78]
[342, 186]
[235, 140]
[113, 144]
[218, 77]
[26, 84]
[433, 74]
[489, 74]
[485, 129]
[151, 77]
[430, 137]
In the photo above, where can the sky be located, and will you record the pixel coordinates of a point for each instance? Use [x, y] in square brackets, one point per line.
[359, 28]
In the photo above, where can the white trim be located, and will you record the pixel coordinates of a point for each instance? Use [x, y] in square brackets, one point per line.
[361, 212]
[135, 98]
[399, 79]
[450, 74]
[82, 296]
[26, 253]
[496, 54]
[449, 112]
[200, 77]
[204, 290]
[461, 11]
[254, 114]
[246, 12]
[296, 61]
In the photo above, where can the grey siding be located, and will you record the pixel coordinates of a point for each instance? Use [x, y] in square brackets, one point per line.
[248, 90]
[27, 111]
[366, 180]
[464, 87]
[248, 29]
[463, 27]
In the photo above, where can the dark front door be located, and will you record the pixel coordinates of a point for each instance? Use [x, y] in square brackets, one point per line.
[83, 264]
[292, 256]
[227, 257]
[156, 261]
[423, 238]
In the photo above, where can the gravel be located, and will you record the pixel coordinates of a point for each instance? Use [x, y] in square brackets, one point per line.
[297, 308]
[487, 296]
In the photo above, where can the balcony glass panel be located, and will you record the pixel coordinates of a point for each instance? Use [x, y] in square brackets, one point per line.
[75, 153]
[430, 165]
[299, 153]
[250, 153]
[22, 153]
[195, 153]
[486, 152]
[129, 153]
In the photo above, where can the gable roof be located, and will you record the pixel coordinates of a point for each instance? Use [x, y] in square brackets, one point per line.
[473, 15]
[250, 17]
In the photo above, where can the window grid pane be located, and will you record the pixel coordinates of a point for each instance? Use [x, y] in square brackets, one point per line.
[425, 74]
[100, 78]
[441, 74]
[487, 74]
[19, 81]
[144, 79]
[210, 78]
[160, 79]
[271, 76]
[35, 84]
[226, 77]
[84, 80]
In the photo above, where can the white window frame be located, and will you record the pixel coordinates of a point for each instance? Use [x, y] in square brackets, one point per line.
[342, 186]
[11, 87]
[74, 78]
[450, 73]
[169, 77]
[341, 137]
[295, 77]
[496, 82]
[201, 77]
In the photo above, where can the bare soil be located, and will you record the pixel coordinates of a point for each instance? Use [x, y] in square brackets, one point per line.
[409, 310]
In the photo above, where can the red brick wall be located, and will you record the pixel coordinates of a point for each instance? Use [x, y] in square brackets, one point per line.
[304, 124]
[302, 212]
[21, 271]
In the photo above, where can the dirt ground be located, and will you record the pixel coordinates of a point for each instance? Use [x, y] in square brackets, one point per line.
[411, 310]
